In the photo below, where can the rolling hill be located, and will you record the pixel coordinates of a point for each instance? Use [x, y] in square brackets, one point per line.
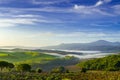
[26, 57]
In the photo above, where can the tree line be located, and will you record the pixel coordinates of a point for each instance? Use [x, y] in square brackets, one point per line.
[110, 63]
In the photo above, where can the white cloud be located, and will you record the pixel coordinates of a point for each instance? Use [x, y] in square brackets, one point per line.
[12, 19]
[14, 22]
[47, 2]
[26, 15]
[81, 34]
[101, 2]
[69, 35]
[90, 10]
[93, 9]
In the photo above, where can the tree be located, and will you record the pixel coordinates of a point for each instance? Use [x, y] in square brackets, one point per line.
[10, 65]
[39, 70]
[3, 64]
[117, 64]
[23, 67]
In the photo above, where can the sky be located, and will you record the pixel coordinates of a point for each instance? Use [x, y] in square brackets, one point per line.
[39, 23]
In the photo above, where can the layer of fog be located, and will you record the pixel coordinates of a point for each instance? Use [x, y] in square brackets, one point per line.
[85, 55]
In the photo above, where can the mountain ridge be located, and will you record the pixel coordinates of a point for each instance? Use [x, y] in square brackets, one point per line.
[101, 45]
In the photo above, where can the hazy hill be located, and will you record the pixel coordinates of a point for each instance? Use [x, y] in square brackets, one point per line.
[100, 45]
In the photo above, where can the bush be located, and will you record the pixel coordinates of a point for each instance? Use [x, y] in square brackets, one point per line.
[111, 69]
[59, 70]
[39, 70]
[83, 70]
[23, 67]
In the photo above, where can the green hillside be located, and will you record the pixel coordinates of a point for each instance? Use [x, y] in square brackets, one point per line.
[26, 57]
[111, 63]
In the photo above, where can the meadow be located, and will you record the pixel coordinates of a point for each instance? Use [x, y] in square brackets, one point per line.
[25, 57]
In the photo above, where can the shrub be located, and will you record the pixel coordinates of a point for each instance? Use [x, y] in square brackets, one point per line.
[23, 67]
[83, 70]
[59, 70]
[39, 70]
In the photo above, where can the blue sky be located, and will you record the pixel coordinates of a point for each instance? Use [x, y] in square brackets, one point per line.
[52, 22]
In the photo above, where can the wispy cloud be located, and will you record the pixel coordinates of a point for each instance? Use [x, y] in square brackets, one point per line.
[101, 2]
[116, 9]
[24, 17]
[93, 9]
[47, 2]
[70, 35]
[14, 22]
[80, 36]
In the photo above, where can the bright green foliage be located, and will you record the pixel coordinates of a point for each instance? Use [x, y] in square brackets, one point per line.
[23, 67]
[59, 70]
[3, 55]
[111, 63]
[25, 57]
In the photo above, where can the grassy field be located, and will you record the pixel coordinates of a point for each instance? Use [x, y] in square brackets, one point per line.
[25, 57]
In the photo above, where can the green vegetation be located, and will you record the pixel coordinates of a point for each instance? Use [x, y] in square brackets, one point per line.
[38, 70]
[23, 67]
[32, 65]
[3, 55]
[111, 63]
[25, 57]
[59, 70]
[4, 64]
[66, 61]
[24, 72]
[60, 76]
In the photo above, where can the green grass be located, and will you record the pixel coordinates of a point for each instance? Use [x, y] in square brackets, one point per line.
[25, 57]
[3, 55]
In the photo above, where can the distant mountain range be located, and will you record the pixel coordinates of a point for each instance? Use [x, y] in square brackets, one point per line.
[100, 45]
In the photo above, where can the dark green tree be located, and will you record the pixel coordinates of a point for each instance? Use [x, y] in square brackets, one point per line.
[39, 70]
[23, 67]
[3, 64]
[10, 65]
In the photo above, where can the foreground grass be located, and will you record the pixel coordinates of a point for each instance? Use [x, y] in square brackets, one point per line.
[61, 76]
